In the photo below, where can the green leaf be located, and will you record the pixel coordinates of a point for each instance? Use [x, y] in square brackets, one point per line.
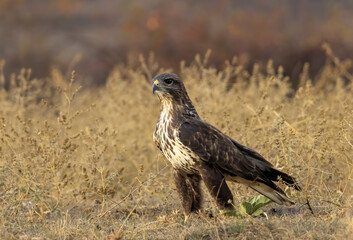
[258, 202]
[258, 212]
[245, 208]
[250, 207]
[233, 213]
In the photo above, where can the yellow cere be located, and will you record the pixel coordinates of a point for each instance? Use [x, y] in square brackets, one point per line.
[156, 82]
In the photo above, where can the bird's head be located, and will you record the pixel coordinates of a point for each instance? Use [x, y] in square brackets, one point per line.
[172, 93]
[168, 86]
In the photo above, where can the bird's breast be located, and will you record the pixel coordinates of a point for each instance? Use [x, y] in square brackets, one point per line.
[180, 156]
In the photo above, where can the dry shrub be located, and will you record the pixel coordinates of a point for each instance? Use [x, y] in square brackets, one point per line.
[78, 163]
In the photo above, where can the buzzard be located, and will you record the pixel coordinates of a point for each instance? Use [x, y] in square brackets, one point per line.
[199, 151]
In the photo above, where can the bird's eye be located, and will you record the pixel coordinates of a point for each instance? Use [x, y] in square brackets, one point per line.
[168, 81]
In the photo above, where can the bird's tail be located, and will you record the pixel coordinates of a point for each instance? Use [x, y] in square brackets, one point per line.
[277, 196]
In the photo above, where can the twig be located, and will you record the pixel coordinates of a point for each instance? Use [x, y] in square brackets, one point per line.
[309, 206]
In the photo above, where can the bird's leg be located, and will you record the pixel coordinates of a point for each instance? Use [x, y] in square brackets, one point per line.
[184, 191]
[195, 182]
[217, 186]
[188, 187]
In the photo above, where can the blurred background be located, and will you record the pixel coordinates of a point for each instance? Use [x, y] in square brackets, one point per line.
[94, 36]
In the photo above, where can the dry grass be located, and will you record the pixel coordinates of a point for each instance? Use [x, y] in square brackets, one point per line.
[78, 164]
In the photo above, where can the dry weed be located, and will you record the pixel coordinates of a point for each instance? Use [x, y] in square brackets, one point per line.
[80, 163]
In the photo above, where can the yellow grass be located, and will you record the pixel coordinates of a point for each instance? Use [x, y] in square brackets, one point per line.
[80, 163]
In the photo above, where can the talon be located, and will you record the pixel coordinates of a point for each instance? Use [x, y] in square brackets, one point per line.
[186, 218]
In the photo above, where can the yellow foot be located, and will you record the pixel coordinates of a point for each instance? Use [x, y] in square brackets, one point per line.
[186, 218]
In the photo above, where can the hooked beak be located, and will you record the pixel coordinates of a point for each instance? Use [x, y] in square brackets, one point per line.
[155, 86]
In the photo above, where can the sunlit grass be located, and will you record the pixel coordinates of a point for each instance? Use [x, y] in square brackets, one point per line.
[80, 163]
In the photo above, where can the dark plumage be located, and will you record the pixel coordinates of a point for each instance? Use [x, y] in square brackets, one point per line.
[197, 150]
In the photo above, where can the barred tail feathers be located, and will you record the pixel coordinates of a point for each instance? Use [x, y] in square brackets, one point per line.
[276, 196]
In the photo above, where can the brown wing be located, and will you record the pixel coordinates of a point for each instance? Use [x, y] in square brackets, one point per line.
[230, 157]
[215, 148]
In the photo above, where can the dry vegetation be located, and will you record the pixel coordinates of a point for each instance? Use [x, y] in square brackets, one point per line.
[80, 163]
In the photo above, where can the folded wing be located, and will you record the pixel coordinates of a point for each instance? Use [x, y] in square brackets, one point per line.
[234, 160]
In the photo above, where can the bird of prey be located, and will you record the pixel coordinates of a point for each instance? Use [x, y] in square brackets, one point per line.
[199, 151]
